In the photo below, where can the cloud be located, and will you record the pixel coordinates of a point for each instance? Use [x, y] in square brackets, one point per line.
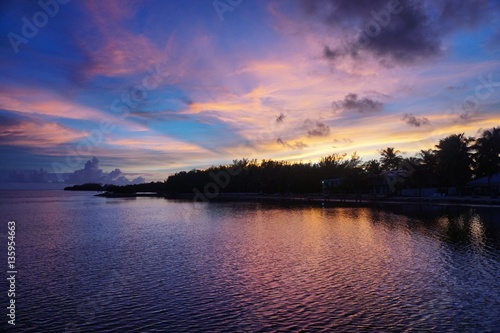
[455, 88]
[92, 174]
[467, 116]
[19, 130]
[110, 47]
[330, 54]
[343, 141]
[280, 118]
[394, 32]
[297, 145]
[467, 111]
[351, 102]
[317, 129]
[40, 101]
[411, 120]
[6, 121]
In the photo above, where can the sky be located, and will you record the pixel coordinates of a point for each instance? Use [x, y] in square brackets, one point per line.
[153, 87]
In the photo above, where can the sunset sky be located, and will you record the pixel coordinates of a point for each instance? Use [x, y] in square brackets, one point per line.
[155, 87]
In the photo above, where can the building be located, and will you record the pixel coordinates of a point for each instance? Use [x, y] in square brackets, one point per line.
[482, 185]
[329, 185]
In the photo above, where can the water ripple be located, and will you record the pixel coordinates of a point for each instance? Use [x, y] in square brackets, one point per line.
[157, 266]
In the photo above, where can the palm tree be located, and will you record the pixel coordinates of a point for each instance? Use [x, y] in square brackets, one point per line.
[487, 155]
[428, 166]
[372, 167]
[390, 159]
[454, 160]
[428, 158]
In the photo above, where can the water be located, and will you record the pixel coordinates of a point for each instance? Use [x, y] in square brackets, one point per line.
[88, 264]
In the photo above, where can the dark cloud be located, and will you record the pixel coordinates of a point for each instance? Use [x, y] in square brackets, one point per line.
[343, 140]
[92, 174]
[297, 145]
[470, 105]
[317, 128]
[411, 120]
[375, 93]
[361, 105]
[280, 118]
[330, 54]
[466, 116]
[467, 111]
[392, 31]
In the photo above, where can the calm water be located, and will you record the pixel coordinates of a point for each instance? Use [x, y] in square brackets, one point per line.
[88, 264]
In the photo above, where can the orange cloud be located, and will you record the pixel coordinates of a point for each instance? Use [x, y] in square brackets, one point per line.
[160, 143]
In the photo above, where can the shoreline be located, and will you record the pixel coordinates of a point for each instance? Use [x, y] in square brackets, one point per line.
[349, 200]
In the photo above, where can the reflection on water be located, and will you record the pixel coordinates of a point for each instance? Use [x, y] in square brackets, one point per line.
[151, 265]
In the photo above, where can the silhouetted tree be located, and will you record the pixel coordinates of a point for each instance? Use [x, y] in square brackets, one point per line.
[454, 160]
[427, 168]
[390, 159]
[372, 167]
[450, 164]
[487, 154]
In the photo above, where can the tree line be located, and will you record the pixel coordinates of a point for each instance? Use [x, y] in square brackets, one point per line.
[454, 161]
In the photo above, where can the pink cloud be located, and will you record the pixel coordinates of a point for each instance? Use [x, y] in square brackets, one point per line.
[38, 101]
[39, 135]
[112, 49]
